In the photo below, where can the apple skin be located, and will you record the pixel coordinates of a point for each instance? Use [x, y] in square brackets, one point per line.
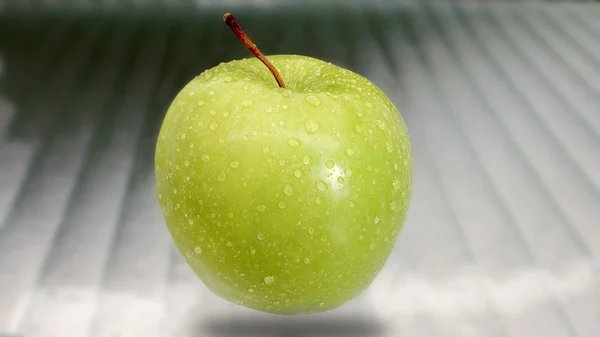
[286, 201]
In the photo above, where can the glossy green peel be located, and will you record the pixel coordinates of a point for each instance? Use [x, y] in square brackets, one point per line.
[286, 201]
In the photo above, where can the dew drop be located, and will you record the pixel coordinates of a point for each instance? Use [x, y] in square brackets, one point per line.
[311, 126]
[340, 180]
[213, 112]
[281, 123]
[294, 142]
[322, 304]
[188, 255]
[358, 128]
[200, 103]
[318, 201]
[198, 250]
[284, 107]
[269, 279]
[389, 148]
[372, 246]
[380, 124]
[321, 185]
[226, 114]
[396, 183]
[247, 103]
[186, 163]
[175, 190]
[405, 162]
[281, 162]
[260, 236]
[351, 204]
[227, 79]
[183, 136]
[230, 215]
[214, 126]
[368, 105]
[266, 149]
[376, 220]
[190, 221]
[269, 109]
[253, 252]
[191, 145]
[261, 208]
[298, 173]
[229, 244]
[281, 205]
[330, 164]
[306, 160]
[349, 152]
[288, 190]
[394, 205]
[311, 230]
[205, 158]
[306, 260]
[313, 100]
[222, 177]
[234, 164]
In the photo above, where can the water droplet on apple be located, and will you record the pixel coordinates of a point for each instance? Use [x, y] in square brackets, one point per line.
[311, 230]
[311, 126]
[368, 105]
[190, 221]
[376, 220]
[213, 112]
[250, 290]
[234, 164]
[306, 260]
[294, 142]
[183, 136]
[396, 183]
[281, 204]
[205, 158]
[269, 109]
[321, 185]
[351, 204]
[247, 103]
[394, 205]
[313, 100]
[214, 126]
[222, 177]
[227, 79]
[298, 173]
[340, 180]
[395, 166]
[281, 162]
[188, 255]
[288, 190]
[330, 164]
[266, 149]
[372, 246]
[389, 148]
[306, 160]
[284, 107]
[358, 128]
[260, 236]
[159, 195]
[349, 152]
[200, 103]
[253, 252]
[226, 114]
[318, 200]
[229, 244]
[186, 163]
[261, 208]
[405, 162]
[175, 190]
[269, 279]
[380, 124]
[191, 145]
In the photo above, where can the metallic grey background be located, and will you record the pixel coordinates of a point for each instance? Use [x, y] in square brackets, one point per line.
[502, 103]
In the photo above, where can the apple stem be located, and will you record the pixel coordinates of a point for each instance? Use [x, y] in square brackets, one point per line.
[243, 37]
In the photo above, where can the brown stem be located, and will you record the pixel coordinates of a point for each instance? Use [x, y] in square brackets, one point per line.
[241, 35]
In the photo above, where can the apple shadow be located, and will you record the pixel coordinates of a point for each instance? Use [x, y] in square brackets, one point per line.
[351, 326]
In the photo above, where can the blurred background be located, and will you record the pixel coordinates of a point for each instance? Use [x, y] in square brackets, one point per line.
[502, 101]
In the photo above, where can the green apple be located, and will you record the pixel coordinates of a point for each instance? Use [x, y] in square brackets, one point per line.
[284, 200]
